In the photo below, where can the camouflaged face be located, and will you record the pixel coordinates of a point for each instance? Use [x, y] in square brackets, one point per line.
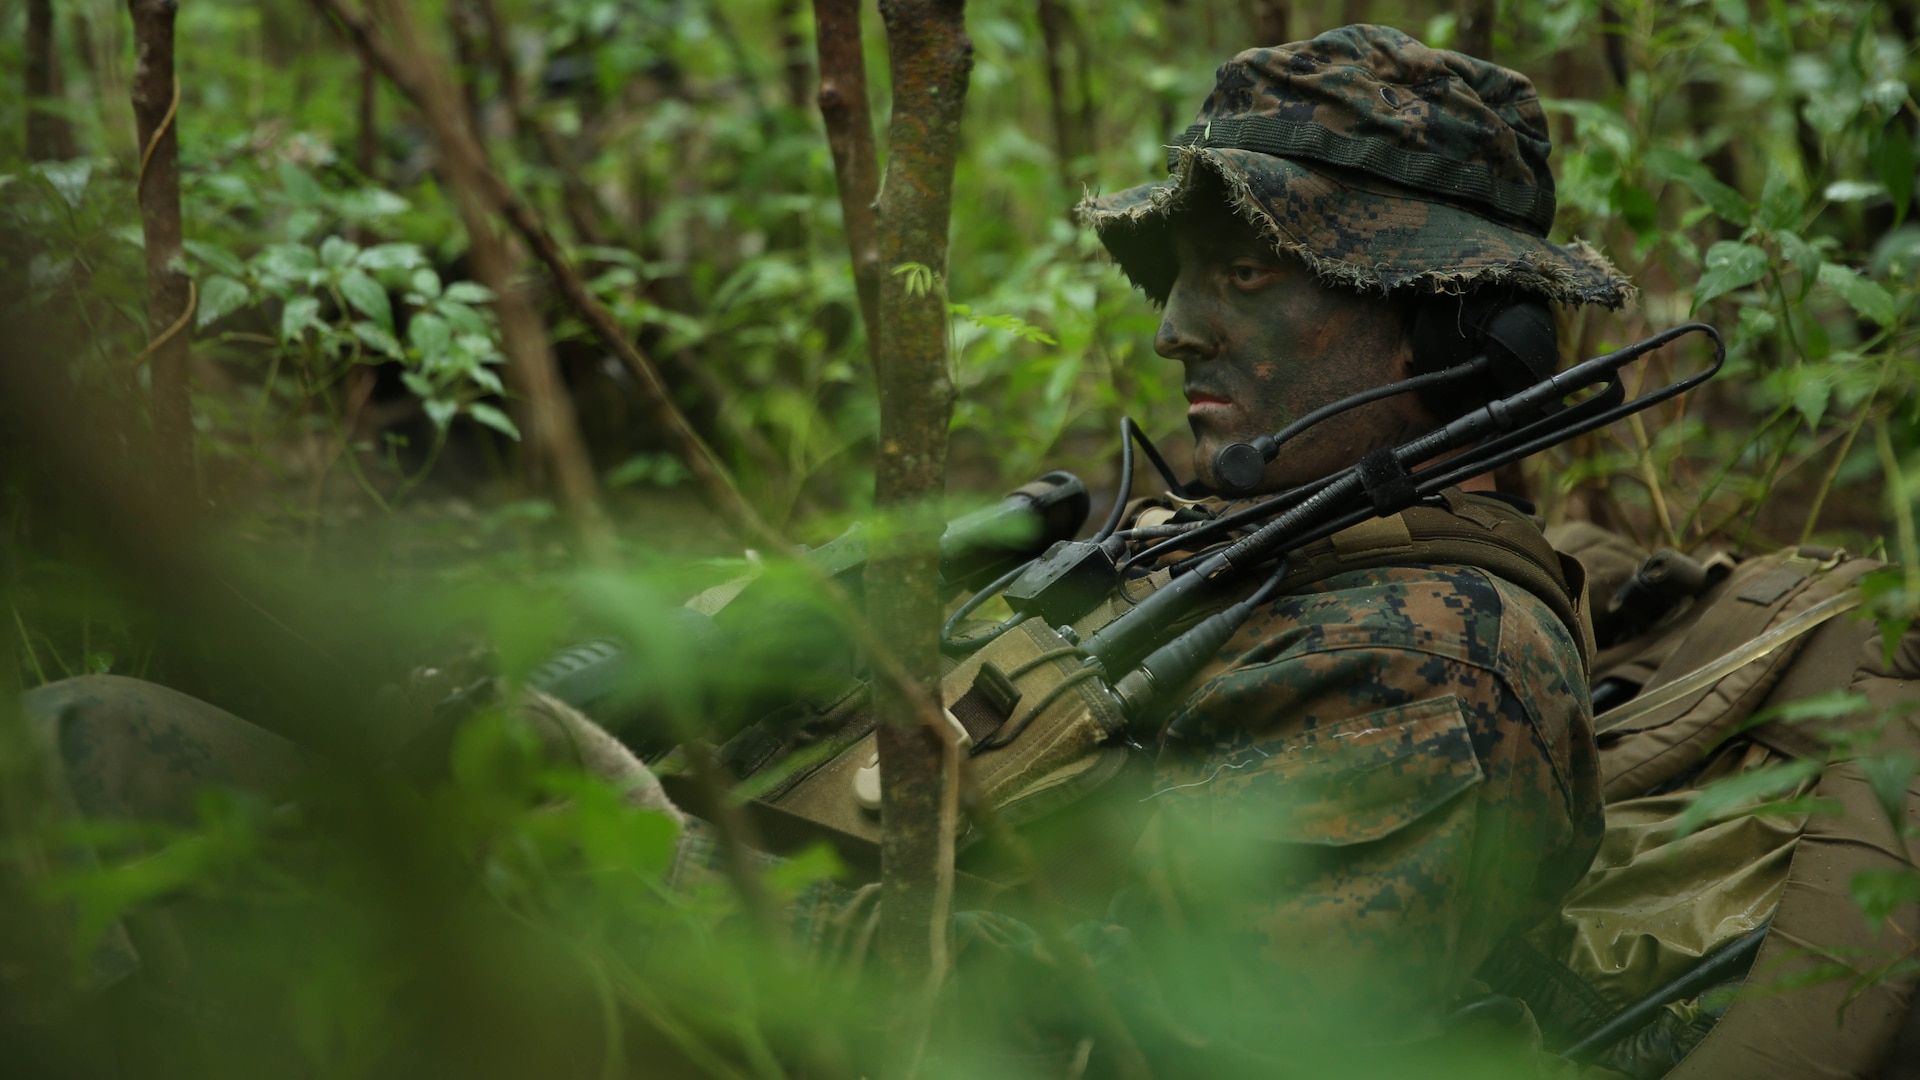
[1381, 163]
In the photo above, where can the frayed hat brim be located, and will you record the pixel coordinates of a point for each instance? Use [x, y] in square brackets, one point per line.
[1353, 232]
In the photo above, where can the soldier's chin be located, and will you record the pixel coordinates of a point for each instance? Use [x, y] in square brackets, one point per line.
[1204, 449]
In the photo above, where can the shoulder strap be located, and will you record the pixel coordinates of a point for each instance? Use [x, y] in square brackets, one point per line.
[1467, 530]
[1749, 632]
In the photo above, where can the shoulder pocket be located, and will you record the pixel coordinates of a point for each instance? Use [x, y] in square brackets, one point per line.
[1350, 782]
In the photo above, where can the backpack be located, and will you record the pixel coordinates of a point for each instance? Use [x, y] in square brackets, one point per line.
[1711, 651]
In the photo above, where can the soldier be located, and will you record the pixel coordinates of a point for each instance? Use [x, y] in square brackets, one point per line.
[1387, 770]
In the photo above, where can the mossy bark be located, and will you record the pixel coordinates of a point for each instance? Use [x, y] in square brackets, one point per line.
[932, 59]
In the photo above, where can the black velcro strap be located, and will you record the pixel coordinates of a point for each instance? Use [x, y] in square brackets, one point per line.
[986, 705]
[1387, 481]
[1430, 173]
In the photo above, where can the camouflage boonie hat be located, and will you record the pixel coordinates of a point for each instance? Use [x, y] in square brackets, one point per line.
[1380, 162]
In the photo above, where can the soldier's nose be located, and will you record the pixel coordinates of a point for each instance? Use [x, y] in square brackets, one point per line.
[1181, 337]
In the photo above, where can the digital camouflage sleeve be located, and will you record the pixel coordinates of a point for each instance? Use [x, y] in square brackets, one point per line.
[1380, 776]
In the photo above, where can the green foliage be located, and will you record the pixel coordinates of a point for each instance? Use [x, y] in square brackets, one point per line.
[1755, 168]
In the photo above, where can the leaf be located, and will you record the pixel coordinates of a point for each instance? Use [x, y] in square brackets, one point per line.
[484, 378]
[1879, 893]
[426, 282]
[1811, 395]
[1803, 256]
[1888, 775]
[67, 178]
[337, 251]
[468, 292]
[379, 340]
[1729, 265]
[1740, 793]
[1869, 298]
[662, 470]
[494, 419]
[440, 411]
[301, 188]
[1669, 164]
[216, 257]
[919, 279]
[288, 262]
[1637, 207]
[370, 204]
[430, 334]
[1898, 253]
[1846, 191]
[219, 297]
[1893, 162]
[1779, 206]
[1828, 705]
[367, 297]
[390, 257]
[300, 313]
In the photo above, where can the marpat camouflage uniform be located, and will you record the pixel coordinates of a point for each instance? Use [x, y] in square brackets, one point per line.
[1376, 779]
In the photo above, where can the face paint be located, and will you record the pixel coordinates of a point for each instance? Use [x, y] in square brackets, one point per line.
[1264, 342]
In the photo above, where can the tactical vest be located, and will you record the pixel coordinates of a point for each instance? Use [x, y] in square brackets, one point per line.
[1042, 734]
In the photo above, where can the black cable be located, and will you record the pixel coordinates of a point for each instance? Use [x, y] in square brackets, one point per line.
[1240, 456]
[1174, 484]
[950, 643]
[1263, 509]
[1126, 482]
[1129, 434]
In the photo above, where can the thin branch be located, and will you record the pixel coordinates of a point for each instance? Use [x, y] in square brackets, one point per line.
[1846, 447]
[849, 122]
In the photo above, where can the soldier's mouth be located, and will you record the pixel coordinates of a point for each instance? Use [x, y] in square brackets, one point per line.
[1200, 403]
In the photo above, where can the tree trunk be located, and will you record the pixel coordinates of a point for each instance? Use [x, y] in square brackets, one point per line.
[1055, 28]
[553, 433]
[931, 61]
[170, 297]
[1268, 21]
[49, 135]
[366, 146]
[849, 121]
[795, 73]
[1475, 33]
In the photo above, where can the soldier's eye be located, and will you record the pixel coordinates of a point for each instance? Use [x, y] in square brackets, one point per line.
[1249, 274]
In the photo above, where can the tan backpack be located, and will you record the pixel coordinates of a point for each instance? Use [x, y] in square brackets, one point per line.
[1714, 675]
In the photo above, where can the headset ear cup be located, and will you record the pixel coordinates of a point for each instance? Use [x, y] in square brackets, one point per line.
[1521, 338]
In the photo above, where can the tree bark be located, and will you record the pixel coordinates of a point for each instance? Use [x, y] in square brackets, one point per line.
[553, 432]
[49, 135]
[708, 474]
[795, 73]
[552, 428]
[366, 146]
[1475, 33]
[849, 122]
[1055, 25]
[1268, 20]
[170, 293]
[931, 59]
